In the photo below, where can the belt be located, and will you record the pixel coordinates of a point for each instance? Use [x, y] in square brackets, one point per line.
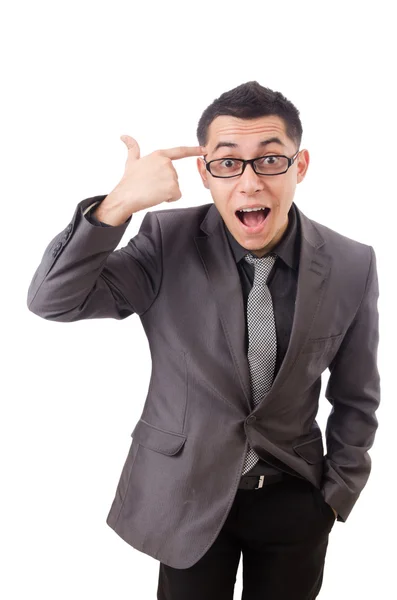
[255, 482]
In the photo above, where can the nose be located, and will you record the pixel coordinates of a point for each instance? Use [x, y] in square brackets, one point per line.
[249, 182]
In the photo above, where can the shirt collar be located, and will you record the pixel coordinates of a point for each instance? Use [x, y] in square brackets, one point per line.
[287, 248]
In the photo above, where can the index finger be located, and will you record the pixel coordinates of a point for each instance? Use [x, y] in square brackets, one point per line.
[182, 152]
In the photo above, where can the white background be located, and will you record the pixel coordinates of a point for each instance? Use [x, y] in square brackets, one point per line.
[76, 76]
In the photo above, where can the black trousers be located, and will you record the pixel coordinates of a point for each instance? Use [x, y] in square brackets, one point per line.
[282, 532]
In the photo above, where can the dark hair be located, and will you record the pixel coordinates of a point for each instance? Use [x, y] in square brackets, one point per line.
[249, 101]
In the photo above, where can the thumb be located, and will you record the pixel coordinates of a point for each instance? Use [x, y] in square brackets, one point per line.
[133, 147]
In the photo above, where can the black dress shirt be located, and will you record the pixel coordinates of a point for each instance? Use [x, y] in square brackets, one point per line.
[282, 283]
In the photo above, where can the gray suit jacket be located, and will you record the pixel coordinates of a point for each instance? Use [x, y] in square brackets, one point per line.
[177, 273]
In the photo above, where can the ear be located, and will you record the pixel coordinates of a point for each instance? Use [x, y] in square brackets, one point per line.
[203, 172]
[303, 165]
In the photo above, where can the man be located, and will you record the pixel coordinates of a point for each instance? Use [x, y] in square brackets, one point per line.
[245, 302]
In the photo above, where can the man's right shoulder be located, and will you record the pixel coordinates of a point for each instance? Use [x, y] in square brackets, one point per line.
[190, 217]
[186, 212]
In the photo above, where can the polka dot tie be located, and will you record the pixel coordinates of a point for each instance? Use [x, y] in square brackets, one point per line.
[262, 341]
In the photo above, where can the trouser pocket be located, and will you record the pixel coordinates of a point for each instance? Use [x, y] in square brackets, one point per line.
[322, 505]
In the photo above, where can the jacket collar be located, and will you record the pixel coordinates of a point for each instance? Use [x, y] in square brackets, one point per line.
[221, 269]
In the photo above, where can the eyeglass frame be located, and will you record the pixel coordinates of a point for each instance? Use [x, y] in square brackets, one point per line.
[251, 162]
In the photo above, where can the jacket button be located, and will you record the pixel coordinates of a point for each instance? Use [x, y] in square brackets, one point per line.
[57, 247]
[69, 228]
[251, 419]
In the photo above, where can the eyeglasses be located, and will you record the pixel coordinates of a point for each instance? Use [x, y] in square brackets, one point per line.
[275, 164]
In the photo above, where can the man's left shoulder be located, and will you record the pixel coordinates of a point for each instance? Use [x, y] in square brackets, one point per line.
[338, 240]
[351, 257]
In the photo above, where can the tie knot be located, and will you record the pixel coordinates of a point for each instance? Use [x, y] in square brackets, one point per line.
[263, 266]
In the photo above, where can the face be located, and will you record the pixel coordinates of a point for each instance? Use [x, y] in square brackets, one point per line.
[249, 189]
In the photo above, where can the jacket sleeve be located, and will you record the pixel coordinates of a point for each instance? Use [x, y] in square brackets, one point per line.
[90, 217]
[354, 391]
[82, 276]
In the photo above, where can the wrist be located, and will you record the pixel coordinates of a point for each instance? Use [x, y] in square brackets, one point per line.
[111, 211]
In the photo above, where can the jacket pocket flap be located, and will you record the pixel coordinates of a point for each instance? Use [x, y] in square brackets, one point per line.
[311, 450]
[156, 439]
[320, 344]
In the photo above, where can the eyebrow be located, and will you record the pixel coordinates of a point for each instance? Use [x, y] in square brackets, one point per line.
[272, 140]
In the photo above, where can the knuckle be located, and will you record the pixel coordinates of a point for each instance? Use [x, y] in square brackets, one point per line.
[160, 158]
[174, 191]
[160, 154]
[164, 160]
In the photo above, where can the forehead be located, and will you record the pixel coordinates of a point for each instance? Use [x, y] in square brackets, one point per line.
[247, 131]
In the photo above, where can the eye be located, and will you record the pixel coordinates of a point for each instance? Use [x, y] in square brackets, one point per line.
[269, 160]
[227, 163]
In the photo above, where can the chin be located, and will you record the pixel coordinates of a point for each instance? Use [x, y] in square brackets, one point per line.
[255, 246]
[254, 241]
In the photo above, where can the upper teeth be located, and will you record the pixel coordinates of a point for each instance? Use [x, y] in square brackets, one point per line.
[251, 209]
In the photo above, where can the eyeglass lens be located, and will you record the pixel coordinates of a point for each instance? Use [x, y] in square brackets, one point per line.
[267, 165]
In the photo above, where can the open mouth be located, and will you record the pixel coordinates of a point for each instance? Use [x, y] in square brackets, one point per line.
[253, 220]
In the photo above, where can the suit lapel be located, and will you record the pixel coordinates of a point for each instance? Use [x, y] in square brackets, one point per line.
[223, 276]
[225, 284]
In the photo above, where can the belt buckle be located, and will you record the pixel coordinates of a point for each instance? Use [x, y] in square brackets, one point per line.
[260, 483]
